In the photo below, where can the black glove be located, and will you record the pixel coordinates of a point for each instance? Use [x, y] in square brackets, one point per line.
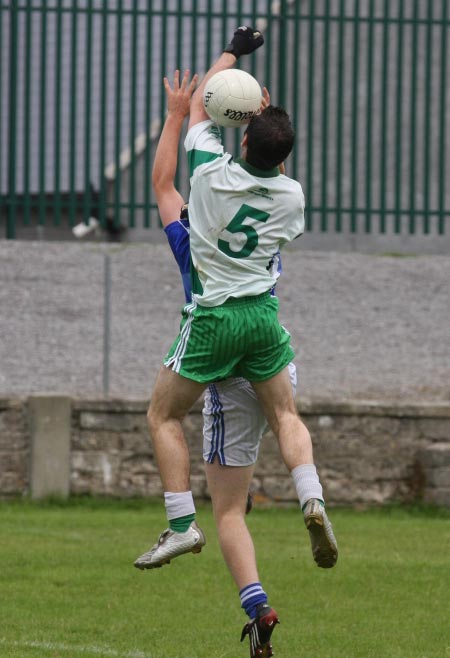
[184, 213]
[244, 41]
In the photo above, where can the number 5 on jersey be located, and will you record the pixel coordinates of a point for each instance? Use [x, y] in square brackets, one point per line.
[237, 226]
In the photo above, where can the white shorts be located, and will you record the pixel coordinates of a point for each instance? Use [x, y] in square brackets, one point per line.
[233, 422]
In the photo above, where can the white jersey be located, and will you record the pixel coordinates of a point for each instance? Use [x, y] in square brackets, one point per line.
[239, 219]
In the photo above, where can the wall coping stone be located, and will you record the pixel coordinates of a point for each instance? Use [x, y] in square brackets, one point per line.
[117, 405]
[114, 405]
[408, 409]
[347, 407]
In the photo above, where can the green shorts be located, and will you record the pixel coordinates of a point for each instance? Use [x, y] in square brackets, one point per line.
[241, 338]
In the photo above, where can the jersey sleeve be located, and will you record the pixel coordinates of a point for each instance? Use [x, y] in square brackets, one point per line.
[203, 144]
[296, 226]
[178, 236]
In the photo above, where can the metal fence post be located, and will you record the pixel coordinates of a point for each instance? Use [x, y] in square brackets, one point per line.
[106, 322]
[11, 222]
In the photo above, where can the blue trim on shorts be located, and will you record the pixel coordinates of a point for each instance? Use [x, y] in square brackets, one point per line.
[218, 428]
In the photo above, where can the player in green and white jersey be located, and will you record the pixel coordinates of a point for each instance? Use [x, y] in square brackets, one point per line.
[235, 333]
[235, 236]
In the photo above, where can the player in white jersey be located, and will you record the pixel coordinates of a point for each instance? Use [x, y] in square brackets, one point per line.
[172, 397]
[249, 222]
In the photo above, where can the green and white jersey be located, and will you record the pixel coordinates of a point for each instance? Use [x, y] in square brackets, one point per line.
[239, 219]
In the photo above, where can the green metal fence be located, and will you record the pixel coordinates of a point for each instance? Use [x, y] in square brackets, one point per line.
[365, 81]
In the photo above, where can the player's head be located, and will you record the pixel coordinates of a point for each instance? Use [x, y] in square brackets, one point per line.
[270, 138]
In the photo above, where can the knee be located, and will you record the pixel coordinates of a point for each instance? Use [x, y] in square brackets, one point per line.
[153, 419]
[229, 513]
[285, 420]
[230, 521]
[160, 414]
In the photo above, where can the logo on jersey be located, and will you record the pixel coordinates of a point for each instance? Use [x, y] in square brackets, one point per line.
[214, 131]
[262, 191]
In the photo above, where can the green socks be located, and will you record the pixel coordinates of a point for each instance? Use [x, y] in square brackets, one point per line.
[182, 523]
[320, 501]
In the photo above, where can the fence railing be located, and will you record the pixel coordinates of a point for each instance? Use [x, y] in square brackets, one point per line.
[365, 81]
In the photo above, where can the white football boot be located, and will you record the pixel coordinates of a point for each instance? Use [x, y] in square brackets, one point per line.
[172, 544]
[323, 541]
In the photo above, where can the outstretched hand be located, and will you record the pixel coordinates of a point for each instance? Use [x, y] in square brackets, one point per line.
[179, 95]
[245, 40]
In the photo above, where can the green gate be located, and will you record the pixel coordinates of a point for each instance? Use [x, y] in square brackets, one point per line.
[365, 81]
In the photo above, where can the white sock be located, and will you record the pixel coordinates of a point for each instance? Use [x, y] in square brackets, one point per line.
[178, 504]
[307, 483]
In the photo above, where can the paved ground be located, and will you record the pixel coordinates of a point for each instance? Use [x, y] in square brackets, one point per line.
[363, 326]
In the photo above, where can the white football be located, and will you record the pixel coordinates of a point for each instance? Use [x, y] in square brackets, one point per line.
[232, 97]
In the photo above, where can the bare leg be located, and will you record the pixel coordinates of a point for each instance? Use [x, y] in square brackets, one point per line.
[172, 398]
[275, 395]
[278, 404]
[228, 487]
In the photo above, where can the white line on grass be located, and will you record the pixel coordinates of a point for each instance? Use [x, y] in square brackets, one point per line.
[69, 648]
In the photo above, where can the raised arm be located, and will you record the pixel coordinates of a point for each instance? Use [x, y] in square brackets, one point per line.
[245, 40]
[168, 198]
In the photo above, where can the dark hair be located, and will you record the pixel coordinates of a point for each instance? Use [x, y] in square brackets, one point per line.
[270, 138]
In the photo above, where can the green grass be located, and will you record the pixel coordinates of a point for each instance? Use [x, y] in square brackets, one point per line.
[68, 588]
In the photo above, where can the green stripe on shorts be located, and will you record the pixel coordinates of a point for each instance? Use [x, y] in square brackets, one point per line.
[240, 338]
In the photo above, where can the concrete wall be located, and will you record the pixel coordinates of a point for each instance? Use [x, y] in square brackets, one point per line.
[367, 453]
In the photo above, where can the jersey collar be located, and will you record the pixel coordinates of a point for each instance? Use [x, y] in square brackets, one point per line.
[260, 173]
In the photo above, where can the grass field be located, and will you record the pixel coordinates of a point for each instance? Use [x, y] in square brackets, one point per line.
[68, 588]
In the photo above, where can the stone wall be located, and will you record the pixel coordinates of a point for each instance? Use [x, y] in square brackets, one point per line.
[14, 447]
[367, 453]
